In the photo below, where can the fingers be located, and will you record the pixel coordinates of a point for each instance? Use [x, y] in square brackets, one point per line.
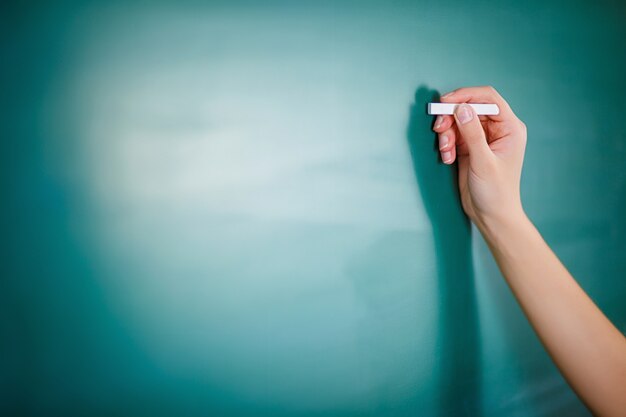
[470, 130]
[485, 94]
[443, 123]
[447, 146]
[473, 134]
[443, 126]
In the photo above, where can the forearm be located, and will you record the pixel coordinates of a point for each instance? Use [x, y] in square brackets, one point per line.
[587, 348]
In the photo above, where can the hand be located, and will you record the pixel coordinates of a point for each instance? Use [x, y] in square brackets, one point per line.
[490, 153]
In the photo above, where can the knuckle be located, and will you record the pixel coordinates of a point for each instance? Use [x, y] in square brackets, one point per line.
[523, 127]
[522, 131]
[491, 89]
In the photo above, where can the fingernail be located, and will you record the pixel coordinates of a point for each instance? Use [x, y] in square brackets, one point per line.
[438, 122]
[447, 94]
[446, 157]
[464, 114]
[443, 142]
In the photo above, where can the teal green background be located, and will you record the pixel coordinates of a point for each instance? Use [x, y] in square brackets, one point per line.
[236, 208]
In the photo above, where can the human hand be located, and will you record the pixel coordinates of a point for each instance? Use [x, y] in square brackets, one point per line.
[490, 154]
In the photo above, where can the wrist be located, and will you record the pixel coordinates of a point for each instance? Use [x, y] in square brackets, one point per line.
[497, 227]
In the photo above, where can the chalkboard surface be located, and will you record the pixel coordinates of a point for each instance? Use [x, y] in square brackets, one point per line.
[237, 209]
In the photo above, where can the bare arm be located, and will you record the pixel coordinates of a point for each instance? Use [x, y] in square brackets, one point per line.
[588, 350]
[586, 347]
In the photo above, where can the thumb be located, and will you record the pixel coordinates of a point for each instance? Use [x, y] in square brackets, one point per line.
[473, 134]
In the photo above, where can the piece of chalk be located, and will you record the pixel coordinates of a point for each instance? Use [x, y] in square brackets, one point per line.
[448, 108]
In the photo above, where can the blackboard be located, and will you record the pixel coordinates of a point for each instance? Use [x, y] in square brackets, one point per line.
[236, 208]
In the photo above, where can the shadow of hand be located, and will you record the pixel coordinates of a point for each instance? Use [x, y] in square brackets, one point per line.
[458, 351]
[437, 181]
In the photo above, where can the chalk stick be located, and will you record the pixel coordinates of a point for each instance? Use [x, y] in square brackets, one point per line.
[448, 108]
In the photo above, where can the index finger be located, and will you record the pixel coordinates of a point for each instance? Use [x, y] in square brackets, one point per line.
[483, 94]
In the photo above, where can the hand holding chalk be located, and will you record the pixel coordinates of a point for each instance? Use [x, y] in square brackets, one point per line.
[489, 150]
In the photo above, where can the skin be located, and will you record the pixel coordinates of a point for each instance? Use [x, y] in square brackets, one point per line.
[588, 350]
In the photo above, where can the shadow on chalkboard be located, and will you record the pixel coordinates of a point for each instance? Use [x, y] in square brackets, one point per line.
[458, 349]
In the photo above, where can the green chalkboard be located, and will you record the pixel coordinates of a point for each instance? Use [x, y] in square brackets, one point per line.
[236, 208]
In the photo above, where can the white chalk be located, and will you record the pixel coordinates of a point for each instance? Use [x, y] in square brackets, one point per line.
[448, 108]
